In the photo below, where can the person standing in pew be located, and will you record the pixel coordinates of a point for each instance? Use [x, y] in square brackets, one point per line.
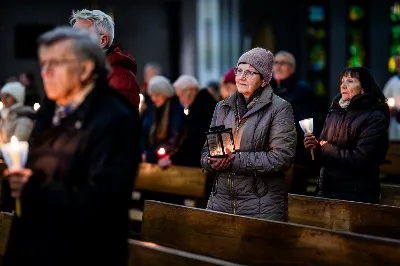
[83, 157]
[251, 182]
[354, 140]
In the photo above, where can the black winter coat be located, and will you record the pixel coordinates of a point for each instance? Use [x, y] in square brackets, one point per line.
[357, 145]
[75, 205]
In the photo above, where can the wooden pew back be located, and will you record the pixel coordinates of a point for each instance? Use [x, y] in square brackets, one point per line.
[179, 180]
[256, 242]
[370, 219]
[390, 195]
[5, 226]
[149, 254]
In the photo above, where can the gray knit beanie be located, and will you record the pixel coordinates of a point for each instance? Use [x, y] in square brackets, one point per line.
[260, 59]
[160, 85]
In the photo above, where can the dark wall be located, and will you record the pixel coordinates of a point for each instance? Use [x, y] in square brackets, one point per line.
[147, 29]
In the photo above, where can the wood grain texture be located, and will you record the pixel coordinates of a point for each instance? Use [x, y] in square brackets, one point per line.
[5, 226]
[258, 242]
[179, 180]
[149, 254]
[390, 195]
[370, 219]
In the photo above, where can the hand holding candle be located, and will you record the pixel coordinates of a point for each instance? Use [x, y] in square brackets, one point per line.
[308, 126]
[15, 155]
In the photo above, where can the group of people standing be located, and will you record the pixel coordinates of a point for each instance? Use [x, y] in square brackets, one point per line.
[84, 147]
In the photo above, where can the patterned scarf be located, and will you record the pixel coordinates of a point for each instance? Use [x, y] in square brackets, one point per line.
[244, 105]
[344, 104]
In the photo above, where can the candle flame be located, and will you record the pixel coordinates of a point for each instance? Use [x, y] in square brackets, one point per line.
[14, 141]
[391, 102]
[36, 106]
[161, 152]
[141, 100]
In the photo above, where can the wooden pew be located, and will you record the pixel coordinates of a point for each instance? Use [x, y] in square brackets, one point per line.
[179, 180]
[258, 242]
[393, 155]
[5, 226]
[331, 214]
[370, 219]
[149, 254]
[390, 195]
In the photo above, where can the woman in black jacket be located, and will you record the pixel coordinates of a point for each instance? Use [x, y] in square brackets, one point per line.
[354, 141]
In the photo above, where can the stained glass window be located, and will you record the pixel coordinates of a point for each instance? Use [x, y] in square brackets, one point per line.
[318, 51]
[394, 48]
[357, 34]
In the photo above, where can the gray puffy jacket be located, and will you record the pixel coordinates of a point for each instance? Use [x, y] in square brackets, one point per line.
[255, 185]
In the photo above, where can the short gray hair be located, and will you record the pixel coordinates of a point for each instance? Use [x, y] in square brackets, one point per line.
[160, 85]
[290, 56]
[86, 45]
[154, 65]
[102, 23]
[186, 81]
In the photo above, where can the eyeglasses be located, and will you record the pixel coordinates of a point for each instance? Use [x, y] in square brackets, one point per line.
[52, 63]
[281, 63]
[245, 73]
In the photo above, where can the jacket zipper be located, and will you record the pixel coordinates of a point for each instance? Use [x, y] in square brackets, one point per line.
[233, 200]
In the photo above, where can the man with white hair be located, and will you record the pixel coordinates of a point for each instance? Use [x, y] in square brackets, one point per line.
[83, 156]
[199, 108]
[124, 67]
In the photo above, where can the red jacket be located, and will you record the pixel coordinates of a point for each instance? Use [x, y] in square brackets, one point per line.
[123, 73]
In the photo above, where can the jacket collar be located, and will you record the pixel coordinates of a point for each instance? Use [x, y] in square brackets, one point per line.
[265, 98]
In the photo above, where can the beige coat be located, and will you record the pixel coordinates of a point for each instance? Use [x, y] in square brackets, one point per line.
[266, 137]
[18, 122]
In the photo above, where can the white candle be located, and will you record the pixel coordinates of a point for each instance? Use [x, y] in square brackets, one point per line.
[15, 153]
[141, 101]
[1, 105]
[391, 102]
[36, 106]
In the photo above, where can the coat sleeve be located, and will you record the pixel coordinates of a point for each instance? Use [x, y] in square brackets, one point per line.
[204, 153]
[125, 82]
[23, 128]
[105, 174]
[372, 135]
[281, 149]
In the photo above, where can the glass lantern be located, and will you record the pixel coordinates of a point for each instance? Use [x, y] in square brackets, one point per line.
[219, 138]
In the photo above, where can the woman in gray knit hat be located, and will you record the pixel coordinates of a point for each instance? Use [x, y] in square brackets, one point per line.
[251, 181]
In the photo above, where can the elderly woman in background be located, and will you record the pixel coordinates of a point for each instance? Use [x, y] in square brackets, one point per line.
[162, 122]
[16, 118]
[354, 140]
[251, 182]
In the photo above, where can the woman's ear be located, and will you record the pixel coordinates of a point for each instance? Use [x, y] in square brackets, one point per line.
[264, 83]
